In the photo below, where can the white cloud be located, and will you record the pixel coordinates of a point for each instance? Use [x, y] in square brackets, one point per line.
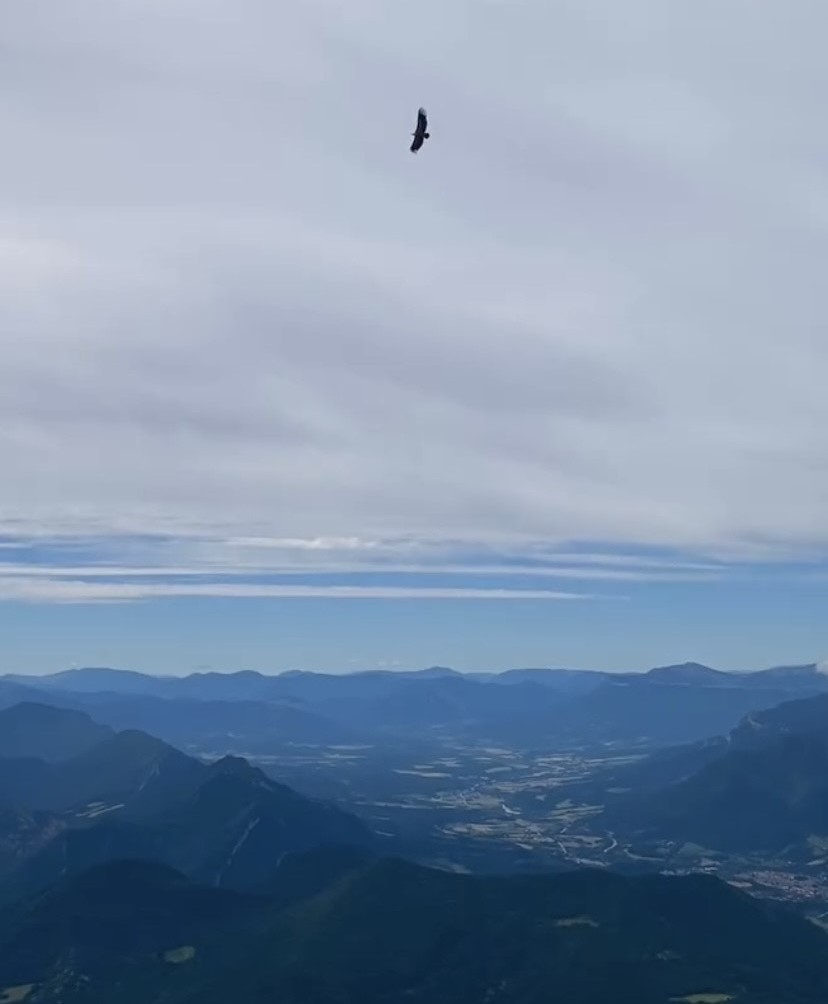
[232, 304]
[25, 571]
[59, 590]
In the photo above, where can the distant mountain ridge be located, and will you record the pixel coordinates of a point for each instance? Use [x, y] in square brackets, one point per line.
[807, 676]
[253, 686]
[540, 708]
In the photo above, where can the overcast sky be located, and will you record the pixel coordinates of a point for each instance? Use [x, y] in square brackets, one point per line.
[245, 331]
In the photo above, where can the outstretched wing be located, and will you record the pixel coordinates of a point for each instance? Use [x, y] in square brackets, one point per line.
[422, 121]
[418, 141]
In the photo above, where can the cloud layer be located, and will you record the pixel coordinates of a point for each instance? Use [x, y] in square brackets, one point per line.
[232, 304]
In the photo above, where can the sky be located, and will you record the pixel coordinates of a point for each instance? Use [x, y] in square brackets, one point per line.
[276, 393]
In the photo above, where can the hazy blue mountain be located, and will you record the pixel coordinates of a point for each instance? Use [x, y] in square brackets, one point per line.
[239, 824]
[667, 766]
[628, 711]
[306, 707]
[129, 769]
[807, 676]
[253, 686]
[133, 795]
[567, 681]
[231, 830]
[763, 788]
[788, 679]
[464, 705]
[690, 674]
[12, 692]
[748, 800]
[805, 715]
[28, 781]
[218, 726]
[533, 708]
[388, 931]
[432, 673]
[239, 686]
[91, 679]
[331, 710]
[250, 685]
[40, 730]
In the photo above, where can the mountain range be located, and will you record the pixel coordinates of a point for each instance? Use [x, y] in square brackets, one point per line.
[537, 709]
[132, 871]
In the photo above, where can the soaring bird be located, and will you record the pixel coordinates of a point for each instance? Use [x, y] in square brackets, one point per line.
[421, 134]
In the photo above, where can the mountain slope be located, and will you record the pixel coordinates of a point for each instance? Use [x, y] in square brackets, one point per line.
[132, 795]
[38, 730]
[808, 714]
[113, 923]
[397, 932]
[762, 789]
[129, 769]
[390, 932]
[566, 681]
[657, 713]
[215, 725]
[23, 835]
[17, 691]
[748, 800]
[239, 824]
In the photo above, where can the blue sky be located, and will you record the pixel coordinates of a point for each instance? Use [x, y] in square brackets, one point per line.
[274, 392]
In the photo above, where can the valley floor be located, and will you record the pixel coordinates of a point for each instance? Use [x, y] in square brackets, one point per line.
[490, 808]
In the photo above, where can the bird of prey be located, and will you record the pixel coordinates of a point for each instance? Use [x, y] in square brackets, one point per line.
[421, 134]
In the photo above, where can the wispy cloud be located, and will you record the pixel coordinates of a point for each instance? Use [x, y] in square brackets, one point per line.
[128, 569]
[548, 572]
[355, 570]
[60, 590]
